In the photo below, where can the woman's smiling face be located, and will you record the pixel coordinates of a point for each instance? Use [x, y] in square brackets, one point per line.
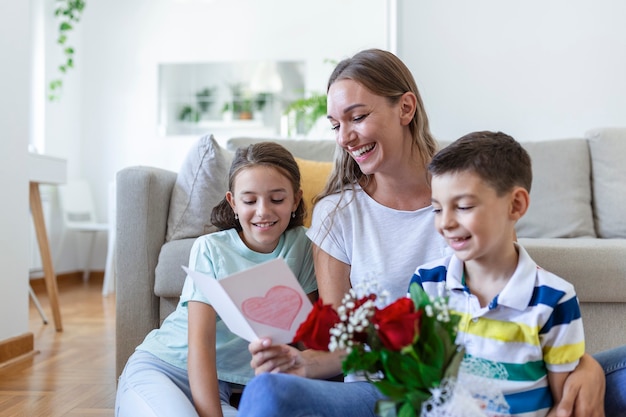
[263, 198]
[366, 125]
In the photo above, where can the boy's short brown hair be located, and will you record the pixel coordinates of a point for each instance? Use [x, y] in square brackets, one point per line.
[494, 156]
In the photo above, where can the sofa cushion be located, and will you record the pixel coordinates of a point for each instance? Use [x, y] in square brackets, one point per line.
[608, 149]
[314, 150]
[313, 176]
[560, 197]
[169, 276]
[201, 183]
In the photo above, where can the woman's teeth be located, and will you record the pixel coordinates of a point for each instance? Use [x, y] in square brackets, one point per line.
[362, 150]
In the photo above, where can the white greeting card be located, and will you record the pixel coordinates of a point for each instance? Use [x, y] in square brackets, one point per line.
[263, 301]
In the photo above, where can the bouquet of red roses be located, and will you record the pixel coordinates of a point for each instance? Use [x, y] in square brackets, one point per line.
[407, 348]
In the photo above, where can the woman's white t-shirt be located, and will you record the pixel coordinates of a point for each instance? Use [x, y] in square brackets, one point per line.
[381, 244]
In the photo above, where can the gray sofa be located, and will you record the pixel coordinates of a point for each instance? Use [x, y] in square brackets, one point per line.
[574, 228]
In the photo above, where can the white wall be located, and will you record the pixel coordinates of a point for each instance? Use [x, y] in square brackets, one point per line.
[533, 69]
[124, 41]
[14, 125]
[107, 117]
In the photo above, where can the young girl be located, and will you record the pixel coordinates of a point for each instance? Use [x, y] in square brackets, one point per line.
[189, 365]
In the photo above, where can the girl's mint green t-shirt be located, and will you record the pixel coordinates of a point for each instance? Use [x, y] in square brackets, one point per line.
[219, 255]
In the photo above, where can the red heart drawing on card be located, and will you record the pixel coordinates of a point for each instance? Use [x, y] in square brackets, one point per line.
[278, 308]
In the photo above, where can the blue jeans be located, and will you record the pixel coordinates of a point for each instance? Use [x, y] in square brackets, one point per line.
[614, 364]
[271, 395]
[150, 387]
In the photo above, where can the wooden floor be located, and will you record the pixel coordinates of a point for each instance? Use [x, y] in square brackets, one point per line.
[74, 372]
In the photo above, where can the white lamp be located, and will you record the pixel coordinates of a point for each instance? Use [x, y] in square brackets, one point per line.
[266, 78]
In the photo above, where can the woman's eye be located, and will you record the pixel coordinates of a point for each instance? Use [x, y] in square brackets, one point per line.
[465, 207]
[359, 118]
[278, 201]
[249, 202]
[334, 127]
[436, 210]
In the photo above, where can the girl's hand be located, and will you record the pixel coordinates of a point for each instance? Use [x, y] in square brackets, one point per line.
[274, 358]
[283, 358]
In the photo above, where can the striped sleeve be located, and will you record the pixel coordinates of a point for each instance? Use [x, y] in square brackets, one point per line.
[562, 334]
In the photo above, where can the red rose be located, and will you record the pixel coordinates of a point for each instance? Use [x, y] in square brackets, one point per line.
[314, 332]
[397, 324]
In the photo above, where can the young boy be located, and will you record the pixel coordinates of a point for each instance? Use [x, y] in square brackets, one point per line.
[515, 315]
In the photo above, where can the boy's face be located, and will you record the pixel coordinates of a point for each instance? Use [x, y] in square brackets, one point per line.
[475, 222]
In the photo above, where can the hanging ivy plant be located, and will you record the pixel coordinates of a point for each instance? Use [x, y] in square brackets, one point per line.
[68, 12]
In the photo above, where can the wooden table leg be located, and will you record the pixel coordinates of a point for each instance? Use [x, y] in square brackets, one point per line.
[46, 259]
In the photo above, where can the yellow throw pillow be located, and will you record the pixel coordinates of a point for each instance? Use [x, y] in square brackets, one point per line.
[313, 178]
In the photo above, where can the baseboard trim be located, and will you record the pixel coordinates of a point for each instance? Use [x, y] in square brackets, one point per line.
[39, 284]
[15, 349]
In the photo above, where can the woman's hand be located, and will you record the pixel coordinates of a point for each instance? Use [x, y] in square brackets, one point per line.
[583, 393]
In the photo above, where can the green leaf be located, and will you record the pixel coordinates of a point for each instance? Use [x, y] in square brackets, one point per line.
[391, 390]
[452, 369]
[419, 296]
[54, 84]
[399, 368]
[66, 11]
[310, 109]
[359, 360]
[407, 410]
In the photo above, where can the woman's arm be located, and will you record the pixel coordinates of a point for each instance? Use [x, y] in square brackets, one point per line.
[333, 277]
[201, 361]
[556, 381]
[583, 391]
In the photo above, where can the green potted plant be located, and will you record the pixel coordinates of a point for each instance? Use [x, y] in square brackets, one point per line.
[188, 114]
[307, 110]
[204, 99]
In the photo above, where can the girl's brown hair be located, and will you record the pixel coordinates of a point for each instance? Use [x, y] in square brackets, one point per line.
[269, 154]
